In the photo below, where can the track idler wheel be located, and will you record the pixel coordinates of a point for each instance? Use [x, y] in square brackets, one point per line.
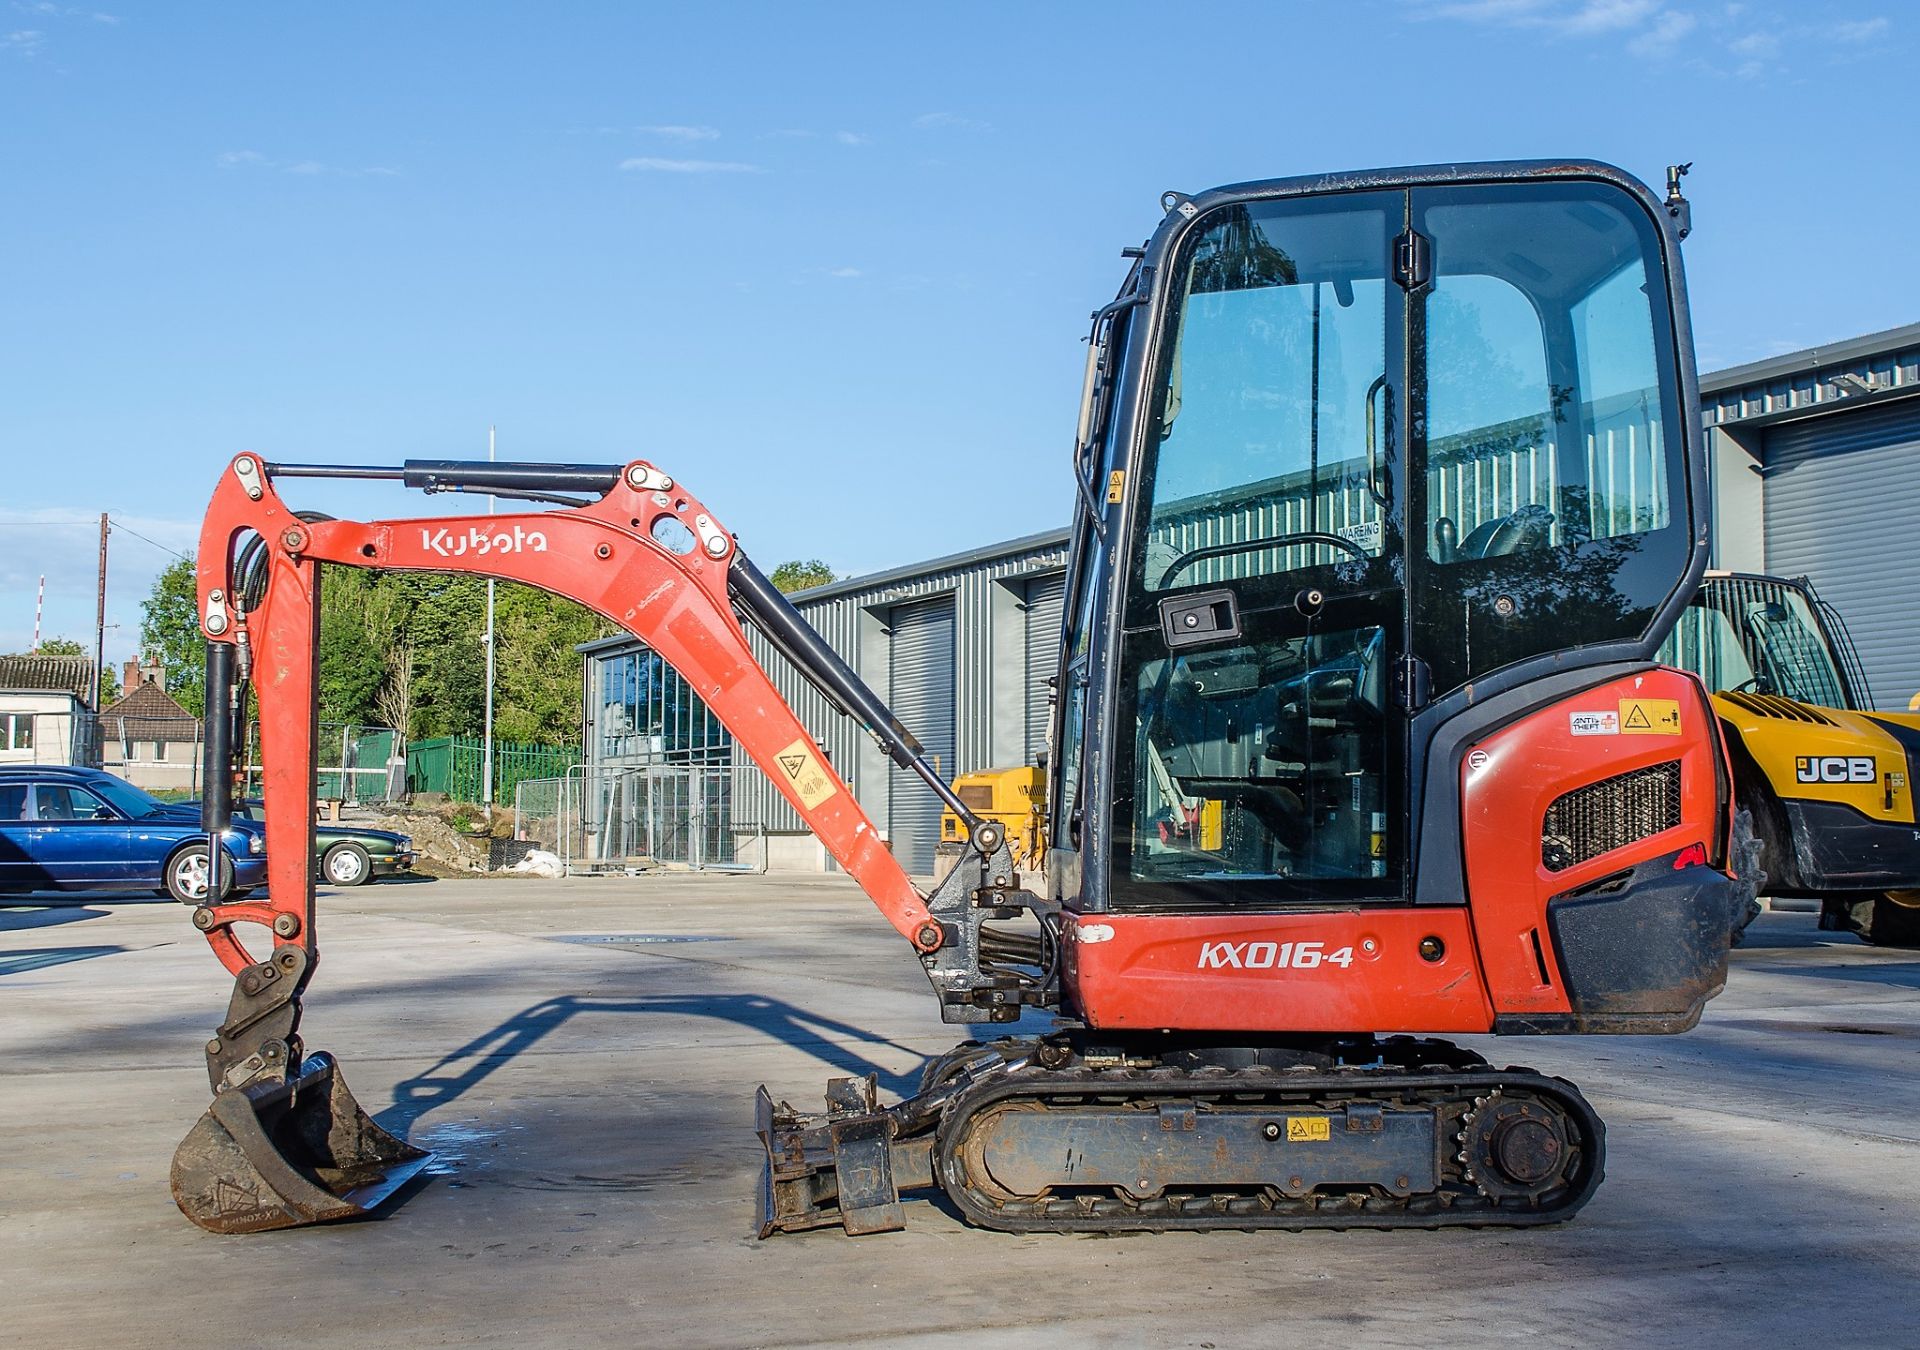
[1515, 1149]
[281, 1154]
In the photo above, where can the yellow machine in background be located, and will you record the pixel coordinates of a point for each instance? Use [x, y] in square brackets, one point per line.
[1013, 798]
[1827, 781]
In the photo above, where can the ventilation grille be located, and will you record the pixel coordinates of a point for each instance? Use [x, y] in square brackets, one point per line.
[1772, 705]
[1610, 814]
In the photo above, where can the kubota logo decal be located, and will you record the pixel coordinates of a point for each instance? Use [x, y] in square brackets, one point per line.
[1272, 956]
[479, 541]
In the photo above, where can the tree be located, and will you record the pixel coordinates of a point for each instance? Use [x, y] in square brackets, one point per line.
[170, 630]
[536, 670]
[801, 575]
[352, 669]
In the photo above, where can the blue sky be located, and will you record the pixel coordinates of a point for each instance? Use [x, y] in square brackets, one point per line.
[828, 264]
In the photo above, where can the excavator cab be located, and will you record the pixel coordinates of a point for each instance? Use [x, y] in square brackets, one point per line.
[1388, 487]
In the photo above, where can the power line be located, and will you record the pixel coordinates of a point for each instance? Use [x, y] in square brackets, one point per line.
[118, 525]
[155, 542]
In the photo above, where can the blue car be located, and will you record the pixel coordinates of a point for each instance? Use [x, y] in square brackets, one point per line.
[66, 829]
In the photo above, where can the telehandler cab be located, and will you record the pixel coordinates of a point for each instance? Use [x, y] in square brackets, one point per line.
[1825, 778]
[1388, 487]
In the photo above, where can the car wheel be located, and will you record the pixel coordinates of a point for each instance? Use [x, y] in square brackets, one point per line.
[187, 876]
[347, 865]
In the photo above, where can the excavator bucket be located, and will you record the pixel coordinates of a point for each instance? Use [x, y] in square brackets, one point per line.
[288, 1153]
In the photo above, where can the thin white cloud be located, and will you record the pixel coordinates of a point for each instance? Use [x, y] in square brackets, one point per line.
[23, 41]
[306, 168]
[649, 164]
[48, 9]
[1662, 38]
[1859, 30]
[1567, 18]
[948, 121]
[681, 133]
[852, 138]
[1607, 16]
[843, 273]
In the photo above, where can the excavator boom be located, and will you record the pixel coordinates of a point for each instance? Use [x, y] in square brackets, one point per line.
[646, 555]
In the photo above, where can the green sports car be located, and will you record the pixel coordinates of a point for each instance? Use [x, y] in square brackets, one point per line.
[349, 856]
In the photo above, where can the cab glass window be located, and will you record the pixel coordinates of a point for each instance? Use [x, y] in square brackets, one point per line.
[1551, 456]
[1267, 429]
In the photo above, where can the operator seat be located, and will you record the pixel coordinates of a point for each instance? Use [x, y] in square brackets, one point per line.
[1530, 527]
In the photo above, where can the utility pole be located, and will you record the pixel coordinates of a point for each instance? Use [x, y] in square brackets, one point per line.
[486, 734]
[39, 607]
[100, 620]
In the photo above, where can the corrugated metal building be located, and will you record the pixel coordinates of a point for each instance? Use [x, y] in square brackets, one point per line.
[961, 647]
[1815, 463]
[1816, 460]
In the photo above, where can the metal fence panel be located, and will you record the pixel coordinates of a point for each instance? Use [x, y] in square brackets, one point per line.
[633, 817]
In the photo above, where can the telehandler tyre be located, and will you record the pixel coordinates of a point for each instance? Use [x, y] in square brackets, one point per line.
[1890, 920]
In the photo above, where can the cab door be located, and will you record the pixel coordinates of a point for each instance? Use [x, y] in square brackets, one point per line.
[1262, 709]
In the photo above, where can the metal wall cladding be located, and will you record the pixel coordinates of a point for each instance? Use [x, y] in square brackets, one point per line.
[841, 613]
[920, 690]
[1043, 607]
[1730, 399]
[1842, 493]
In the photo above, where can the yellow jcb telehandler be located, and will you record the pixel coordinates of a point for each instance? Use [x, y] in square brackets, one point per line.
[1827, 779]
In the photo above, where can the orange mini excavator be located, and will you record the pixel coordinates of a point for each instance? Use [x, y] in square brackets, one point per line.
[1388, 487]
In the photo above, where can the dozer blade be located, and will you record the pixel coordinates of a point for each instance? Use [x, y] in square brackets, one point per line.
[284, 1154]
[847, 1167]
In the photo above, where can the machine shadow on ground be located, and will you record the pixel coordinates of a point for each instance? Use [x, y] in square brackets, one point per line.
[458, 1072]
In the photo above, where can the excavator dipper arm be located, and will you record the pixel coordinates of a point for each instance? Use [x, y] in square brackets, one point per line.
[607, 556]
[287, 1144]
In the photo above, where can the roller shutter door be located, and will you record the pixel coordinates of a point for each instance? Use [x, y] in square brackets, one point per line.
[1842, 499]
[1043, 598]
[921, 693]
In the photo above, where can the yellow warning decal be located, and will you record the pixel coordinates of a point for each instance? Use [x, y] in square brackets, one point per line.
[1309, 1129]
[805, 774]
[1650, 716]
[1115, 482]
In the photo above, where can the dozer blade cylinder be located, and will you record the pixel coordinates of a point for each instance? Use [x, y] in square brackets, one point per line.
[288, 1153]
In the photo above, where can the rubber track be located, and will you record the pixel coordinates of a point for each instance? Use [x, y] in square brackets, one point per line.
[1458, 1203]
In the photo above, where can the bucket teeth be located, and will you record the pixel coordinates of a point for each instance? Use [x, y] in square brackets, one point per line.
[281, 1154]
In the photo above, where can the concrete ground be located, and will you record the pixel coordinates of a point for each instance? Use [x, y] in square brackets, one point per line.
[592, 1103]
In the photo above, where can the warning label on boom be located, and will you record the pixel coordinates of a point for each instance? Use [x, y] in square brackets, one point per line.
[1650, 716]
[801, 767]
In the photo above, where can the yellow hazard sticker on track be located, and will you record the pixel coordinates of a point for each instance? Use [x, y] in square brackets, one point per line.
[1309, 1129]
[800, 766]
[1649, 717]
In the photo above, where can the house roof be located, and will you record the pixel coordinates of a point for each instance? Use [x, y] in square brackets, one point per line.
[149, 713]
[49, 674]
